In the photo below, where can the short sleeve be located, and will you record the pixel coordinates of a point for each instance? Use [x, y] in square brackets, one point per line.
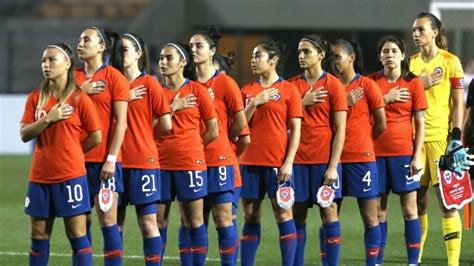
[232, 96]
[89, 118]
[206, 106]
[30, 108]
[338, 99]
[418, 95]
[455, 68]
[119, 86]
[295, 108]
[374, 95]
[158, 99]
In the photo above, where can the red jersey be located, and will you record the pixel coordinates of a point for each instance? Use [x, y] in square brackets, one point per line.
[269, 124]
[227, 101]
[316, 127]
[397, 139]
[359, 145]
[116, 89]
[233, 146]
[139, 148]
[58, 154]
[183, 149]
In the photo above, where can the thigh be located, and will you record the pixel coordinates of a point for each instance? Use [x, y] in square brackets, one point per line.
[75, 226]
[192, 212]
[301, 181]
[167, 191]
[41, 228]
[434, 150]
[235, 200]
[252, 210]
[162, 213]
[383, 175]
[37, 201]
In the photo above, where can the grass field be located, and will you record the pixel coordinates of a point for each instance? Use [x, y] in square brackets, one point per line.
[14, 232]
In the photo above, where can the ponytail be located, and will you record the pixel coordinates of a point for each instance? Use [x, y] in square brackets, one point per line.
[113, 47]
[441, 40]
[352, 47]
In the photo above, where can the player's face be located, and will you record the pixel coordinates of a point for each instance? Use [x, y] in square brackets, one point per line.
[201, 50]
[423, 34]
[261, 62]
[90, 45]
[341, 59]
[391, 56]
[130, 53]
[170, 62]
[308, 55]
[54, 64]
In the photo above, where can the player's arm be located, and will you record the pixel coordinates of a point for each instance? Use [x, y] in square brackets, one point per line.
[92, 140]
[211, 131]
[467, 126]
[120, 115]
[239, 123]
[164, 123]
[380, 122]
[262, 98]
[57, 113]
[295, 133]
[242, 144]
[339, 121]
[457, 98]
[419, 119]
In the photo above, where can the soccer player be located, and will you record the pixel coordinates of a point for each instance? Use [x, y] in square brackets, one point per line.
[274, 112]
[398, 150]
[317, 158]
[442, 76]
[359, 170]
[57, 184]
[182, 159]
[141, 174]
[220, 166]
[101, 79]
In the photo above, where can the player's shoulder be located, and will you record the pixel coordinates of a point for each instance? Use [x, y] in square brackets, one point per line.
[296, 79]
[446, 55]
[375, 76]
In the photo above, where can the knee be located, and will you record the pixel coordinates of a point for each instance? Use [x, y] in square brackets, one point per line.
[299, 214]
[283, 215]
[108, 220]
[39, 234]
[370, 220]
[148, 227]
[329, 214]
[223, 219]
[252, 217]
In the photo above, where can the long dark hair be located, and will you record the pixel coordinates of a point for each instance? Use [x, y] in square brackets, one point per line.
[45, 90]
[139, 45]
[441, 40]
[352, 47]
[321, 46]
[212, 36]
[276, 48]
[184, 52]
[405, 65]
[113, 47]
[225, 61]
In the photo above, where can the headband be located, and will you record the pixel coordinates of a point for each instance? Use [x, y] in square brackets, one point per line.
[60, 49]
[177, 48]
[100, 34]
[135, 39]
[314, 43]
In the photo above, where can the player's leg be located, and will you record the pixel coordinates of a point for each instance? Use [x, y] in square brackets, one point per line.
[412, 226]
[422, 193]
[164, 206]
[77, 234]
[384, 182]
[40, 233]
[303, 200]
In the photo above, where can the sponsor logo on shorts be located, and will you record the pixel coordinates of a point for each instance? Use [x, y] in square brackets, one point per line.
[149, 194]
[222, 183]
[367, 189]
[76, 205]
[197, 190]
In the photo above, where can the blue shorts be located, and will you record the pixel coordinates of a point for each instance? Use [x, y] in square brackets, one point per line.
[256, 180]
[114, 183]
[142, 186]
[394, 175]
[235, 201]
[220, 179]
[308, 178]
[359, 180]
[69, 198]
[183, 185]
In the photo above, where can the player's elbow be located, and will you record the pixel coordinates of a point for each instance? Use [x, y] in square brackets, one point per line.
[96, 138]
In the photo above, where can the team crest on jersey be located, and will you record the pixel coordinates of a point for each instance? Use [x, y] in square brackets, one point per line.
[69, 108]
[277, 97]
[438, 70]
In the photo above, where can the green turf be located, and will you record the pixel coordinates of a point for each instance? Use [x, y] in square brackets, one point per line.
[14, 231]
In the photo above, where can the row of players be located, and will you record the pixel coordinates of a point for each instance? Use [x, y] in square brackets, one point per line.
[111, 125]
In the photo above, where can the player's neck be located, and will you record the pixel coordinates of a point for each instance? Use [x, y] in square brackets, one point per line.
[175, 82]
[132, 72]
[205, 72]
[428, 52]
[392, 74]
[347, 76]
[91, 66]
[267, 79]
[57, 85]
[313, 74]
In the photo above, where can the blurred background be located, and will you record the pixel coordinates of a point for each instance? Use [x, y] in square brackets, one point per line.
[28, 26]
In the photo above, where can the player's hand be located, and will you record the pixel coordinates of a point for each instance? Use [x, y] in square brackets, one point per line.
[93, 87]
[264, 96]
[58, 112]
[354, 96]
[137, 93]
[430, 80]
[108, 170]
[330, 176]
[397, 95]
[314, 96]
[460, 154]
[284, 174]
[415, 166]
[182, 103]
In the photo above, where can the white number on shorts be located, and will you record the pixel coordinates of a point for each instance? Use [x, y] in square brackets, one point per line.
[148, 179]
[110, 184]
[336, 184]
[222, 173]
[367, 178]
[276, 170]
[195, 178]
[77, 191]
